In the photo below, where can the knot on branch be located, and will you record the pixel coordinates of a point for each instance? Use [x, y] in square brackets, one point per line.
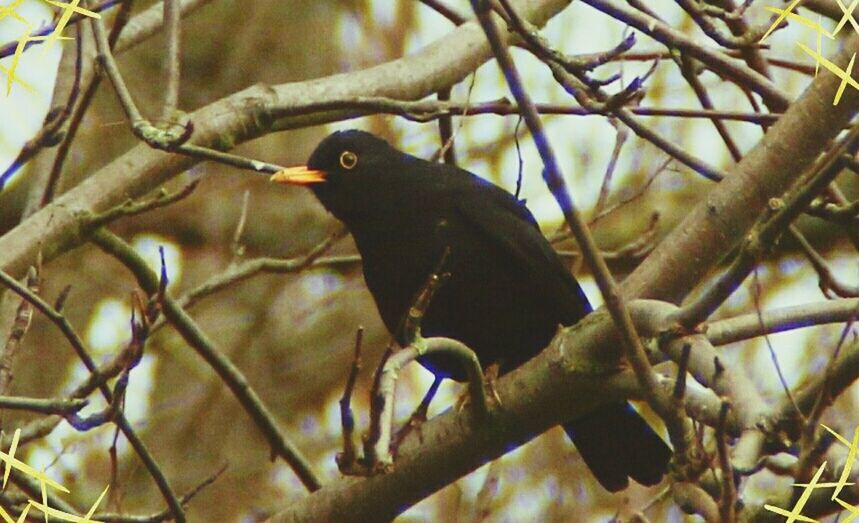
[166, 138]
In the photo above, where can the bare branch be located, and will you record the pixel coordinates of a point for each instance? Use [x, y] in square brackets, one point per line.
[229, 373]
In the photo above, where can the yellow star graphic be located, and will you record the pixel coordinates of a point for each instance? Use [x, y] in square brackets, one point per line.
[12, 448]
[8, 519]
[65, 516]
[9, 10]
[852, 445]
[854, 511]
[795, 514]
[848, 17]
[13, 462]
[19, 51]
[68, 9]
[785, 13]
[834, 69]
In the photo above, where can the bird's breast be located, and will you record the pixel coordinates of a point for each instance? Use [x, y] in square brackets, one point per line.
[398, 257]
[484, 300]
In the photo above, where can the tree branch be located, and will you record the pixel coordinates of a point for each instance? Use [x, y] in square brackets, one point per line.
[243, 116]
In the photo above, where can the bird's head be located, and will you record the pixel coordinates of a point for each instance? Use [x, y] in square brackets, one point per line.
[353, 172]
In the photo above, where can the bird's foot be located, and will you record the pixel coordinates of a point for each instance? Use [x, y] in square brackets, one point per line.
[490, 376]
[418, 417]
[414, 424]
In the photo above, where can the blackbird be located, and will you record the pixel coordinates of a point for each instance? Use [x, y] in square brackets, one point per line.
[505, 291]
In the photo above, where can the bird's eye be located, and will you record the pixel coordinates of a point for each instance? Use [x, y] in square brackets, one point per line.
[348, 159]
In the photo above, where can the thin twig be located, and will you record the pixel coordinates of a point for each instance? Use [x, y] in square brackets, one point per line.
[639, 247]
[51, 132]
[826, 392]
[172, 58]
[756, 299]
[377, 451]
[828, 282]
[677, 41]
[738, 328]
[739, 28]
[770, 225]
[98, 381]
[689, 70]
[447, 143]
[428, 110]
[172, 137]
[445, 130]
[20, 326]
[748, 40]
[419, 416]
[621, 135]
[59, 406]
[8, 49]
[445, 11]
[555, 181]
[192, 334]
[238, 249]
[53, 181]
[248, 269]
[589, 94]
[521, 169]
[728, 499]
[133, 208]
[347, 460]
[164, 515]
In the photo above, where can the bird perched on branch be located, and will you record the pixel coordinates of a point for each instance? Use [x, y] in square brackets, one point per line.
[505, 290]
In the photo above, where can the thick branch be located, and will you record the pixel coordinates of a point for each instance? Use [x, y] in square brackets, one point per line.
[452, 444]
[574, 366]
[722, 219]
[242, 117]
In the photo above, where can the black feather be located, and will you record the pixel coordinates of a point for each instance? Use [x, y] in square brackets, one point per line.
[506, 290]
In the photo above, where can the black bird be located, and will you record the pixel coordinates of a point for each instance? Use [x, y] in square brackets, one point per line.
[506, 291]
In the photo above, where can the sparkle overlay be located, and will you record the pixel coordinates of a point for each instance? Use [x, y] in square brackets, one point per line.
[845, 75]
[67, 8]
[10, 462]
[795, 513]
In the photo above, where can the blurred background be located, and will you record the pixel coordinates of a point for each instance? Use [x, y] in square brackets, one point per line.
[293, 335]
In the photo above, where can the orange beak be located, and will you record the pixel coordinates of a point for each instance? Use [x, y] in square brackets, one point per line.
[300, 175]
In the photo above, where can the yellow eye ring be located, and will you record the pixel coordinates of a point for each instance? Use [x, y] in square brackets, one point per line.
[348, 159]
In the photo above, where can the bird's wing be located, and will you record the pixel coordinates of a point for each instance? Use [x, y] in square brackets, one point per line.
[512, 228]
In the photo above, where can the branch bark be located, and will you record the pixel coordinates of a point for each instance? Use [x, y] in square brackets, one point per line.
[452, 444]
[722, 219]
[244, 116]
[576, 363]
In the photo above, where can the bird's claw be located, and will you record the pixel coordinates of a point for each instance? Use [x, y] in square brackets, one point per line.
[490, 376]
[415, 422]
[489, 379]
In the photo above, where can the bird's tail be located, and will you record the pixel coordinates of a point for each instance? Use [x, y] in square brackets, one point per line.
[616, 443]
